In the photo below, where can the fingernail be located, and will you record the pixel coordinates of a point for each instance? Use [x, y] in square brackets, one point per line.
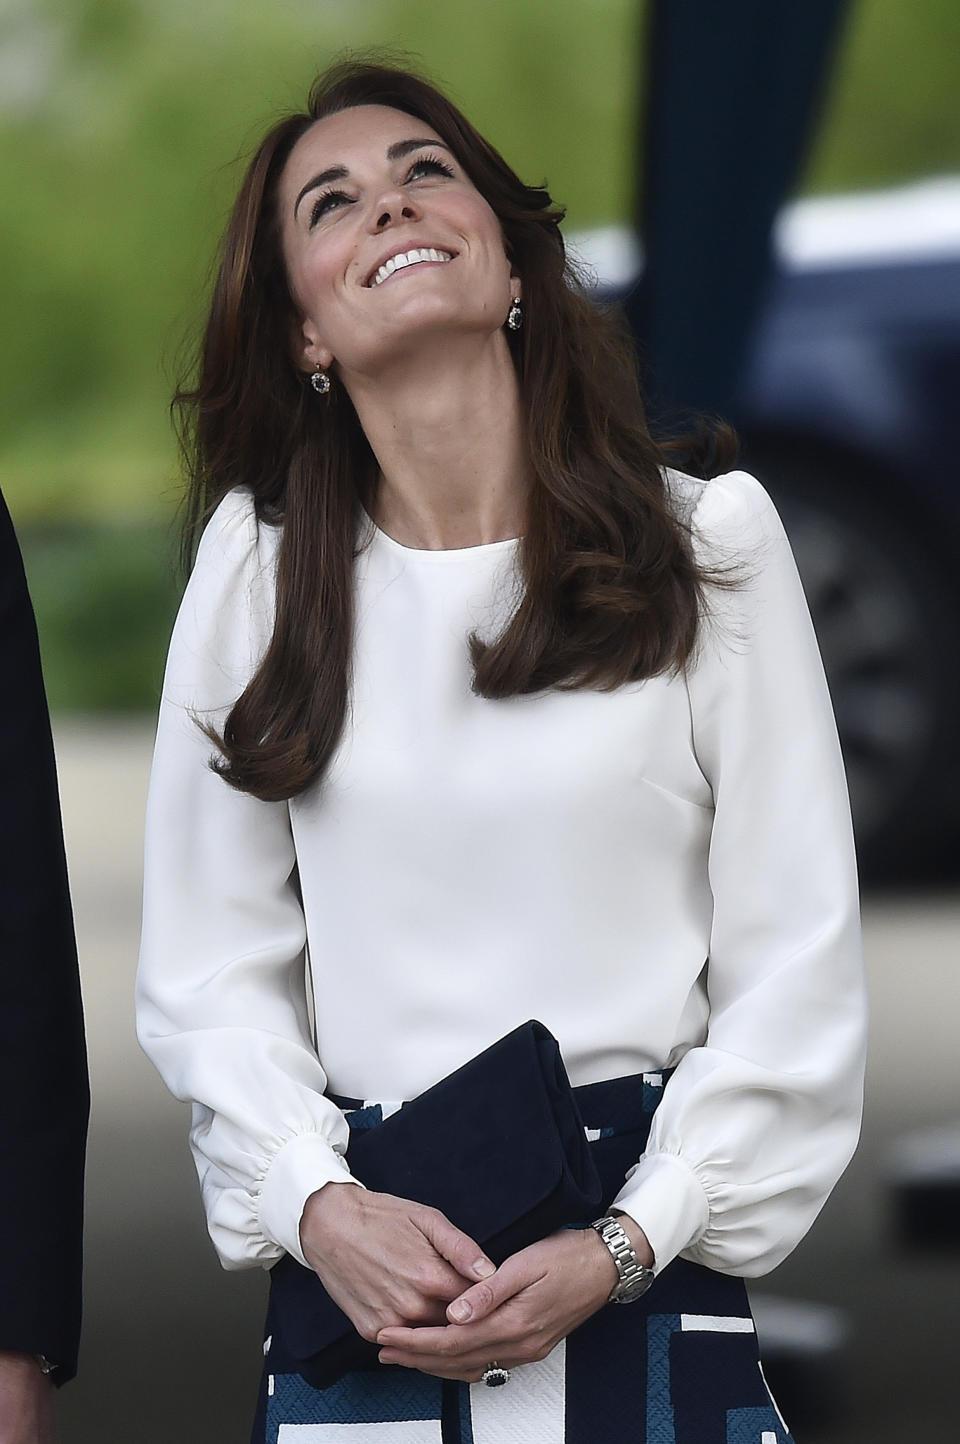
[483, 1268]
[460, 1310]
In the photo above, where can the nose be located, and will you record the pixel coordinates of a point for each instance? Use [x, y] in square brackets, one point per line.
[390, 207]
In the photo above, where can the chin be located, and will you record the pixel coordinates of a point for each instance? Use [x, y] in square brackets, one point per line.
[422, 329]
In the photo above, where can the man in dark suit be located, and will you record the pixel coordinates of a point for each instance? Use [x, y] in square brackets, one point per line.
[44, 1096]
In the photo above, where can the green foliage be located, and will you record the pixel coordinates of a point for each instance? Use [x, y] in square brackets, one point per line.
[894, 107]
[124, 150]
[104, 597]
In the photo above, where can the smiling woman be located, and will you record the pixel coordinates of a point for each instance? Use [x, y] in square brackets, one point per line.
[444, 425]
[478, 704]
[399, 208]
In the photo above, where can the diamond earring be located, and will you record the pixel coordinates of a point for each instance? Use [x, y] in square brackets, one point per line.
[320, 381]
[515, 315]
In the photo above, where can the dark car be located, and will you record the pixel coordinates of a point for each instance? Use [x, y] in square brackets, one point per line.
[848, 413]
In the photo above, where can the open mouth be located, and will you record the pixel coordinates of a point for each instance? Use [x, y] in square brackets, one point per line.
[414, 257]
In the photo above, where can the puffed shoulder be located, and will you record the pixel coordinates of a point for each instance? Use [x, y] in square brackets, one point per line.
[684, 493]
[752, 583]
[706, 502]
[226, 616]
[733, 512]
[233, 533]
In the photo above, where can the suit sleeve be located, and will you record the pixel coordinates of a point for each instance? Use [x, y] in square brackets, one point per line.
[43, 1071]
[756, 1126]
[221, 994]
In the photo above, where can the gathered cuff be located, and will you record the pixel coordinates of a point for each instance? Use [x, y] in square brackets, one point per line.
[303, 1165]
[666, 1198]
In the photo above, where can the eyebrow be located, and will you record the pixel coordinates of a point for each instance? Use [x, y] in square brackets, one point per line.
[397, 151]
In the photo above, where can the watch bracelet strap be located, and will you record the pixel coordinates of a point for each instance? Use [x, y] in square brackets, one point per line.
[615, 1240]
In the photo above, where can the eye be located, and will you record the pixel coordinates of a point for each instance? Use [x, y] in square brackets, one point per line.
[428, 165]
[325, 202]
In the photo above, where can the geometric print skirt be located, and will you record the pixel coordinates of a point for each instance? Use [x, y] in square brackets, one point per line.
[679, 1366]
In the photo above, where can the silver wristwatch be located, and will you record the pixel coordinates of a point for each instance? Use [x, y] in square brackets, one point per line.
[635, 1277]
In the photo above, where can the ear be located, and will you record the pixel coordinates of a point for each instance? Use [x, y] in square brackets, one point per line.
[309, 351]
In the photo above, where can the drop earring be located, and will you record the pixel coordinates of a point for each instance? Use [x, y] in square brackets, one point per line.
[515, 315]
[320, 381]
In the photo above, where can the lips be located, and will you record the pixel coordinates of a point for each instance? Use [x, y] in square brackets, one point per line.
[401, 259]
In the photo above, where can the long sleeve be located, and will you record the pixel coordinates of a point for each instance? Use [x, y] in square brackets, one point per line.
[43, 1070]
[221, 992]
[756, 1125]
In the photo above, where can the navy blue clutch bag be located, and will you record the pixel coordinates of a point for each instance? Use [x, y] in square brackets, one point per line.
[498, 1146]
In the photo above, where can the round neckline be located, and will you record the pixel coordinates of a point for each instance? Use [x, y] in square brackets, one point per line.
[431, 554]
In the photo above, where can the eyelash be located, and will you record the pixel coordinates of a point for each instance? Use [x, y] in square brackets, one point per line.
[429, 163]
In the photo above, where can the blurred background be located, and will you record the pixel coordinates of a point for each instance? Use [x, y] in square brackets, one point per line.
[773, 192]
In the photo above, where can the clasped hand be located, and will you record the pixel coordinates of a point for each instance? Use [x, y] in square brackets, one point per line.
[426, 1293]
[516, 1316]
[386, 1260]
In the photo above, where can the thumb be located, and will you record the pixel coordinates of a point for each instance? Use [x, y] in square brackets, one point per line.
[483, 1298]
[458, 1248]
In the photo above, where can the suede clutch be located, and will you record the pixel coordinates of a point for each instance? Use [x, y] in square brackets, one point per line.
[498, 1146]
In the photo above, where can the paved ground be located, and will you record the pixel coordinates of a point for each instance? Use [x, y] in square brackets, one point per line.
[171, 1345]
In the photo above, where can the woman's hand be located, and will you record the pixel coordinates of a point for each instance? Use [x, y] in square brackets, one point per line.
[385, 1260]
[517, 1315]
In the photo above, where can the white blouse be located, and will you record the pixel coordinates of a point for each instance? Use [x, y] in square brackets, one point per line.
[662, 874]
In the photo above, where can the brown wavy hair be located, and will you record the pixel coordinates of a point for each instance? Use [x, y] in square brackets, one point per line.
[611, 592]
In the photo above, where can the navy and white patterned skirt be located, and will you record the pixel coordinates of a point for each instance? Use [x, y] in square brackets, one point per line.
[679, 1366]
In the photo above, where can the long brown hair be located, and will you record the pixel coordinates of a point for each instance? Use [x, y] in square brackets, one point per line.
[611, 591]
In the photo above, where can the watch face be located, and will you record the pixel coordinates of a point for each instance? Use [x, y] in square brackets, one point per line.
[636, 1288]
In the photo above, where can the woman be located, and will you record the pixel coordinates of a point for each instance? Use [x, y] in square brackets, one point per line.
[500, 718]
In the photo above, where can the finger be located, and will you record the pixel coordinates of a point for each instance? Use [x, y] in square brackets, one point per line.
[467, 1370]
[439, 1340]
[458, 1248]
[450, 1349]
[446, 1343]
[481, 1299]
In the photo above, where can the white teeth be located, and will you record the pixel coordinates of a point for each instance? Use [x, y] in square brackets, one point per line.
[409, 258]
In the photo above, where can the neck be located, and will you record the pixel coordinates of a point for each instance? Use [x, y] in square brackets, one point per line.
[447, 432]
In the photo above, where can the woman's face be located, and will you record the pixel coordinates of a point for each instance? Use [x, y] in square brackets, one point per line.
[363, 195]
